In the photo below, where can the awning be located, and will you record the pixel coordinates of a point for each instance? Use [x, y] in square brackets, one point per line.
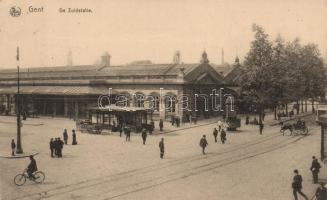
[57, 90]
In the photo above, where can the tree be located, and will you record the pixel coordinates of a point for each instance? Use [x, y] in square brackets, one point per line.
[257, 79]
[281, 72]
[280, 77]
[313, 73]
[295, 84]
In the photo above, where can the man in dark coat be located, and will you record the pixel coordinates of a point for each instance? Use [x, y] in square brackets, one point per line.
[60, 147]
[13, 147]
[120, 130]
[223, 136]
[162, 148]
[297, 185]
[315, 167]
[74, 142]
[321, 192]
[161, 124]
[215, 134]
[261, 127]
[127, 131]
[151, 127]
[203, 144]
[52, 147]
[65, 136]
[32, 167]
[144, 135]
[56, 146]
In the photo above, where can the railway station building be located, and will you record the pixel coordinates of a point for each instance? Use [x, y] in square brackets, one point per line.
[67, 91]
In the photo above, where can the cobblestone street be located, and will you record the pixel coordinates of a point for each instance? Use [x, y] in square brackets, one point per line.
[249, 165]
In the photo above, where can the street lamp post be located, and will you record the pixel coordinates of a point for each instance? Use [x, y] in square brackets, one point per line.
[19, 148]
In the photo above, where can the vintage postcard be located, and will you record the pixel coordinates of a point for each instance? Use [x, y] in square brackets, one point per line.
[163, 99]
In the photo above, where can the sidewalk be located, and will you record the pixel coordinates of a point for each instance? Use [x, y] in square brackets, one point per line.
[22, 155]
[269, 118]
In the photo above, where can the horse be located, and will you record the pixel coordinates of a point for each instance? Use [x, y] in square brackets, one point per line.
[286, 127]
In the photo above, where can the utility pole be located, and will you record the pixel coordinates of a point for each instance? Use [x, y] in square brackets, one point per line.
[19, 148]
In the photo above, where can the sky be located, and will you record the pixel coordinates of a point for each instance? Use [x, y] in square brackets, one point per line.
[151, 29]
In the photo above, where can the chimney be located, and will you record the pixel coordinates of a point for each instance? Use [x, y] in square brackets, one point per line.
[70, 58]
[177, 57]
[204, 58]
[105, 59]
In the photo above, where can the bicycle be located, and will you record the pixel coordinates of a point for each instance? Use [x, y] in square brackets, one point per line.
[20, 179]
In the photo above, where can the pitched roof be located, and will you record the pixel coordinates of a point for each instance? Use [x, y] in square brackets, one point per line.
[90, 72]
[223, 69]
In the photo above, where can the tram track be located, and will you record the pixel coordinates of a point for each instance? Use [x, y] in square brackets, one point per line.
[115, 188]
[129, 173]
[209, 162]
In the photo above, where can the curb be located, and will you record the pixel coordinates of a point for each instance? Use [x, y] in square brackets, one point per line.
[23, 155]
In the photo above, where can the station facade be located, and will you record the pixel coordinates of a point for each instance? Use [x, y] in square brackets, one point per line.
[174, 89]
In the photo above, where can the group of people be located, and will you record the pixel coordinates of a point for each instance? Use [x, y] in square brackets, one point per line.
[56, 144]
[255, 122]
[321, 192]
[221, 128]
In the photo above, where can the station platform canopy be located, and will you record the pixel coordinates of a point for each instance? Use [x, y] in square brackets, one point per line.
[57, 90]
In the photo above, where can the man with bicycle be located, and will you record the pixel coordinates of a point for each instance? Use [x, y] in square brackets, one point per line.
[32, 167]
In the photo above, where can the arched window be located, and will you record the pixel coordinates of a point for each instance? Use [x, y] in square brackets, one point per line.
[139, 99]
[154, 101]
[123, 99]
[170, 102]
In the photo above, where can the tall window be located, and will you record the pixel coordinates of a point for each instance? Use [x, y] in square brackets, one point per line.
[170, 103]
[123, 100]
[139, 100]
[154, 101]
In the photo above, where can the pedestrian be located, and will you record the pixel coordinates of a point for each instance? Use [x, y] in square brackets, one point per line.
[172, 119]
[56, 146]
[220, 125]
[127, 133]
[297, 185]
[144, 135]
[161, 124]
[151, 127]
[315, 167]
[215, 134]
[223, 136]
[247, 120]
[74, 142]
[261, 127]
[203, 144]
[65, 136]
[13, 147]
[52, 147]
[120, 130]
[178, 122]
[321, 192]
[162, 148]
[60, 147]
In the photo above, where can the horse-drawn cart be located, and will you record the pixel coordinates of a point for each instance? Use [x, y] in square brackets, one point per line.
[295, 129]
